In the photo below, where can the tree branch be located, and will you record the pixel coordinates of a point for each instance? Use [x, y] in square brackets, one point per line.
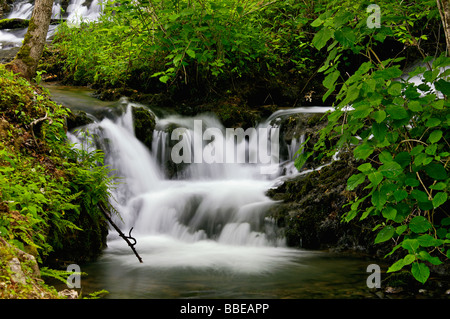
[106, 213]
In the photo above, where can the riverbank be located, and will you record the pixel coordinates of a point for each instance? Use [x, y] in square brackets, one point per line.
[49, 191]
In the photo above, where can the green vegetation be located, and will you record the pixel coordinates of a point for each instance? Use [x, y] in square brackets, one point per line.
[49, 190]
[398, 129]
[191, 48]
[290, 50]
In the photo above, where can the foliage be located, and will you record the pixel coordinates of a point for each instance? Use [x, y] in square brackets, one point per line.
[154, 44]
[47, 186]
[397, 126]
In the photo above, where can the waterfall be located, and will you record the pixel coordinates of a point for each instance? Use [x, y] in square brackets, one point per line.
[214, 211]
[76, 11]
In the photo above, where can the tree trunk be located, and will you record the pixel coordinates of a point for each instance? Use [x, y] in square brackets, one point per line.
[444, 11]
[28, 57]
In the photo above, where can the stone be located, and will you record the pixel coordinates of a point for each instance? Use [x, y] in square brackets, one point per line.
[144, 124]
[17, 275]
[68, 293]
[393, 290]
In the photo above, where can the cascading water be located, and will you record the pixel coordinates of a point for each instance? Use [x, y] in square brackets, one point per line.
[75, 11]
[209, 215]
[201, 229]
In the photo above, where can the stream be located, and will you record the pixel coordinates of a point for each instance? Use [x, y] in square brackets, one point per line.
[202, 232]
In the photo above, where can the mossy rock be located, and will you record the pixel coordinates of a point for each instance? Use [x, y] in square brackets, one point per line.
[231, 111]
[313, 205]
[78, 118]
[144, 125]
[14, 23]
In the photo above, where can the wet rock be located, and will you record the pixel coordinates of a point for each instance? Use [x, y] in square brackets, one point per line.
[8, 52]
[380, 294]
[78, 119]
[393, 290]
[312, 208]
[17, 275]
[68, 294]
[297, 128]
[15, 23]
[144, 124]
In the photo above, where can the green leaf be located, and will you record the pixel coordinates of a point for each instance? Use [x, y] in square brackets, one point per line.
[330, 80]
[400, 195]
[355, 180]
[401, 229]
[431, 149]
[419, 224]
[321, 38]
[435, 136]
[439, 104]
[395, 89]
[420, 271]
[191, 53]
[419, 195]
[363, 151]
[379, 131]
[379, 116]
[432, 122]
[411, 245]
[345, 37]
[439, 199]
[416, 150]
[389, 213]
[427, 240]
[445, 221]
[427, 257]
[388, 73]
[378, 199]
[420, 158]
[396, 112]
[317, 23]
[415, 106]
[398, 265]
[164, 79]
[443, 86]
[436, 171]
[439, 186]
[375, 178]
[385, 234]
[361, 111]
[403, 158]
[385, 157]
[390, 169]
[365, 167]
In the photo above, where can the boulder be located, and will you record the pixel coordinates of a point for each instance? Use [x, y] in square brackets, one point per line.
[15, 23]
[144, 124]
[77, 118]
[312, 206]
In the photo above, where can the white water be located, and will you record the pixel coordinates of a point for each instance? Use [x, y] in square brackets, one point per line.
[75, 12]
[206, 216]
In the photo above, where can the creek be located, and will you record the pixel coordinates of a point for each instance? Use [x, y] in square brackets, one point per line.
[203, 230]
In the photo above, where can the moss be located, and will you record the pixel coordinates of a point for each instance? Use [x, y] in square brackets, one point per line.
[47, 191]
[402, 279]
[312, 208]
[13, 24]
[144, 124]
[24, 284]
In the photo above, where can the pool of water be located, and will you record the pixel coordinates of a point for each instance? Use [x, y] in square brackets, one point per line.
[282, 273]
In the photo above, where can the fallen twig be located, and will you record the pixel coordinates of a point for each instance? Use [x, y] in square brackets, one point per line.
[121, 234]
